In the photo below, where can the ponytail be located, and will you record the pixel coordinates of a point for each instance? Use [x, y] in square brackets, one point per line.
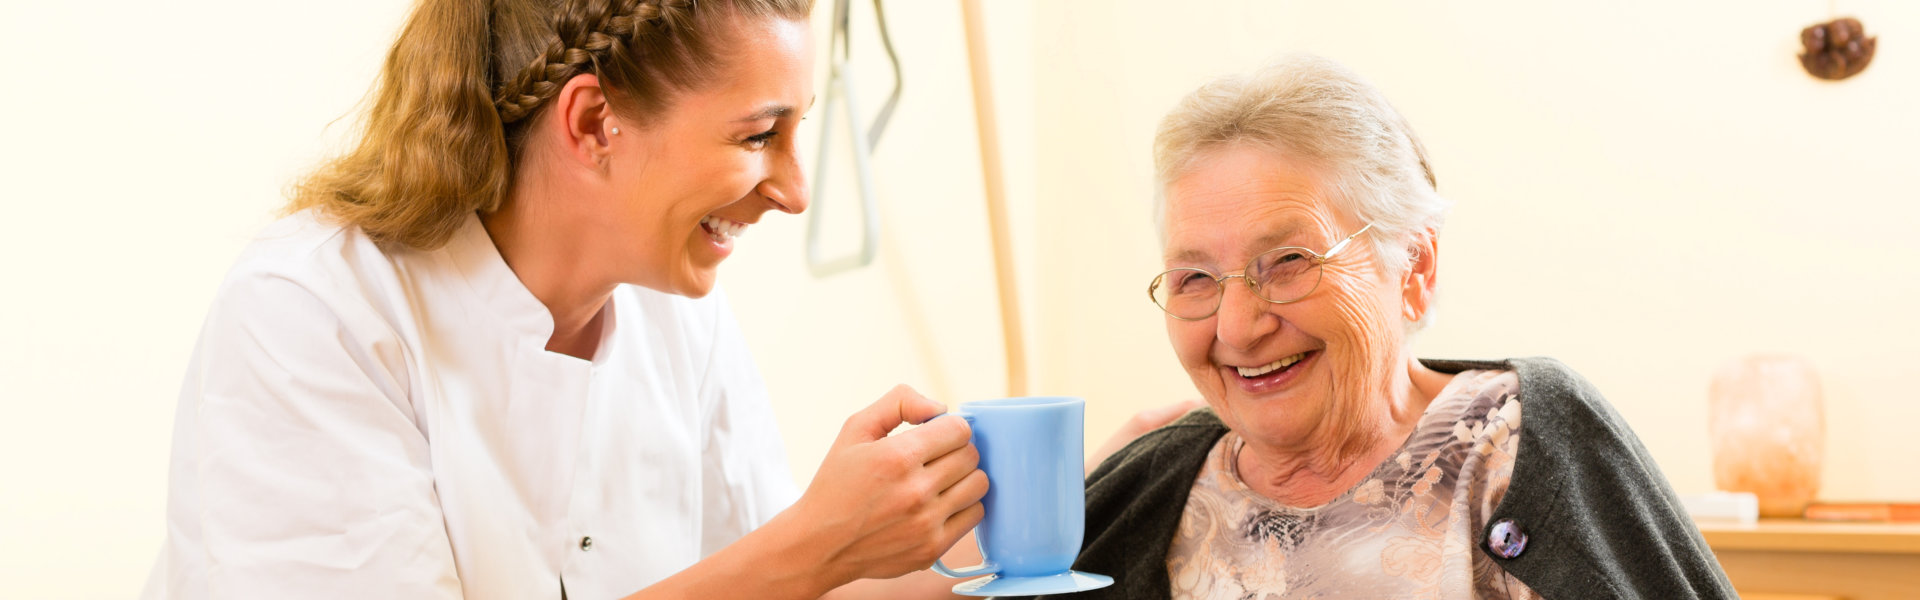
[432, 149]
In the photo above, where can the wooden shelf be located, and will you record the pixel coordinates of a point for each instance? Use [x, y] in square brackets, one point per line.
[1796, 535]
[1794, 559]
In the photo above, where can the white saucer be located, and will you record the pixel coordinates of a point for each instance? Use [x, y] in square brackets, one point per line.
[1058, 583]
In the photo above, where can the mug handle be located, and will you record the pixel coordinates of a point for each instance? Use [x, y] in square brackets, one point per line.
[984, 568]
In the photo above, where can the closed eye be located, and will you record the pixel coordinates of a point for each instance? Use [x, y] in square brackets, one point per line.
[761, 140]
[1191, 282]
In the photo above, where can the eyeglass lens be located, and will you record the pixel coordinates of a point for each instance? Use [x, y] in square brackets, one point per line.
[1279, 275]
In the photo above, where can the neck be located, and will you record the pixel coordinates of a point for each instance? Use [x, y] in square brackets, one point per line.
[1313, 474]
[543, 244]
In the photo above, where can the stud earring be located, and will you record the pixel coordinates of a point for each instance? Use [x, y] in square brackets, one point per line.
[616, 131]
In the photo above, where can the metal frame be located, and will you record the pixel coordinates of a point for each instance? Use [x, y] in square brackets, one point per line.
[840, 94]
[1319, 266]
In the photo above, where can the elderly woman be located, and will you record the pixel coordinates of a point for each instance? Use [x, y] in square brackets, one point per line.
[1300, 224]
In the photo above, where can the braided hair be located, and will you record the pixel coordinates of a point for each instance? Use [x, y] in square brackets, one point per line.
[466, 79]
[582, 40]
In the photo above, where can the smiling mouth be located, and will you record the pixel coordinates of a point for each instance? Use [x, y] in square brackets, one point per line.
[722, 230]
[1270, 368]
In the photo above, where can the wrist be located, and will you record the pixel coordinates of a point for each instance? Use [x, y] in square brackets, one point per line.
[795, 555]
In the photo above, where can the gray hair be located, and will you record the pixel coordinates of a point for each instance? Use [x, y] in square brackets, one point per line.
[1318, 111]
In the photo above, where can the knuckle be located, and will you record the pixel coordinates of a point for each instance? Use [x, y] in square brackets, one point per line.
[898, 505]
[940, 428]
[896, 463]
[931, 531]
[936, 543]
[926, 488]
[973, 515]
[976, 490]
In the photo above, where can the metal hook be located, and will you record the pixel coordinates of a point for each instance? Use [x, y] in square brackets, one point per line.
[840, 92]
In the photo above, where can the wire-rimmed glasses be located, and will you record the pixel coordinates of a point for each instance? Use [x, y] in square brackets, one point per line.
[1281, 275]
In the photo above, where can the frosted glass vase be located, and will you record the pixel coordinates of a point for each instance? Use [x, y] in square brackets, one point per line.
[1769, 431]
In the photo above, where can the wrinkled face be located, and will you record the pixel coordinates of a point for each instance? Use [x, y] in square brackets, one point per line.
[716, 160]
[1280, 374]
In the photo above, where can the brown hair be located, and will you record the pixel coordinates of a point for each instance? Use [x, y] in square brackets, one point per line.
[466, 77]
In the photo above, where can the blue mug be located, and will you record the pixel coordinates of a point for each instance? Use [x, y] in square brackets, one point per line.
[1032, 450]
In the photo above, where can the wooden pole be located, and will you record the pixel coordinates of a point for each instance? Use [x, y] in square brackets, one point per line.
[995, 181]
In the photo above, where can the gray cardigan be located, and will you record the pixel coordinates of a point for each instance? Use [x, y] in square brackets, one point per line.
[1599, 518]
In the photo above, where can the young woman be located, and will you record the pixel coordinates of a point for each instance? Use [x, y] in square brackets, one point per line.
[484, 355]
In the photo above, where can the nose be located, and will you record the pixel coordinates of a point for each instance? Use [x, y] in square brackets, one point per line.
[786, 183]
[1244, 319]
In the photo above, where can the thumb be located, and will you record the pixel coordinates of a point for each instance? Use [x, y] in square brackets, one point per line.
[900, 405]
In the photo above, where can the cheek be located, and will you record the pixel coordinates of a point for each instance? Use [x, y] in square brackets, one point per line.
[1190, 341]
[1192, 344]
[1361, 340]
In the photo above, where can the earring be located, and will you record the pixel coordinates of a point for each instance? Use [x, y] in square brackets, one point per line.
[616, 131]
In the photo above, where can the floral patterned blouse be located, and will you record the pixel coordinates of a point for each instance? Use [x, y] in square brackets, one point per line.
[1409, 530]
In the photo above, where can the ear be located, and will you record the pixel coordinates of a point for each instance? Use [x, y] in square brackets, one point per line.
[1423, 266]
[585, 122]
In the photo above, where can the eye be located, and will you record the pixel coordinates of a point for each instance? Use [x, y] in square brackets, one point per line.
[1192, 282]
[760, 140]
[1281, 264]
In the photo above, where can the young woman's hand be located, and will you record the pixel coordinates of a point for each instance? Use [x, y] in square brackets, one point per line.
[885, 505]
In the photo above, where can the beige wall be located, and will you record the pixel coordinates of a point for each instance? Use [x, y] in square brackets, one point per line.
[144, 143]
[1644, 191]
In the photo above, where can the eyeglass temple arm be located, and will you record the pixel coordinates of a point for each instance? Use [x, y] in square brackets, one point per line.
[1343, 243]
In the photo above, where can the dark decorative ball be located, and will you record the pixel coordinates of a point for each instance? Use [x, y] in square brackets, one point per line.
[1837, 49]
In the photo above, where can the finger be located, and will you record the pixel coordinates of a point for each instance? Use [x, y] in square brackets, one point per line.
[963, 521]
[953, 466]
[915, 408]
[934, 439]
[970, 489]
[900, 405]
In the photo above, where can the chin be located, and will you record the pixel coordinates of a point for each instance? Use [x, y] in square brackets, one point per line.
[697, 286]
[697, 293]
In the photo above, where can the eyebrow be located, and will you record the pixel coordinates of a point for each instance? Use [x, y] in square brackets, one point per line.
[1272, 239]
[775, 111]
[771, 112]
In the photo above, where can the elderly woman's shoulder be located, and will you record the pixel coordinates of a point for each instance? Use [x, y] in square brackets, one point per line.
[1581, 477]
[1196, 430]
[1556, 397]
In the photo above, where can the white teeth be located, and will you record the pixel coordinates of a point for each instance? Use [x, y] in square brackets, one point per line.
[722, 230]
[1270, 367]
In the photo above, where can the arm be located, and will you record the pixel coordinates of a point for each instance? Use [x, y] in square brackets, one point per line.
[880, 507]
[312, 475]
[918, 585]
[308, 476]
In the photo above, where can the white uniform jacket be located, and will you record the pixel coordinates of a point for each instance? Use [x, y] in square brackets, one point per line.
[358, 423]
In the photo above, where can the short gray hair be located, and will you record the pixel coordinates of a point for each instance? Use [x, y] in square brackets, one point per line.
[1318, 111]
